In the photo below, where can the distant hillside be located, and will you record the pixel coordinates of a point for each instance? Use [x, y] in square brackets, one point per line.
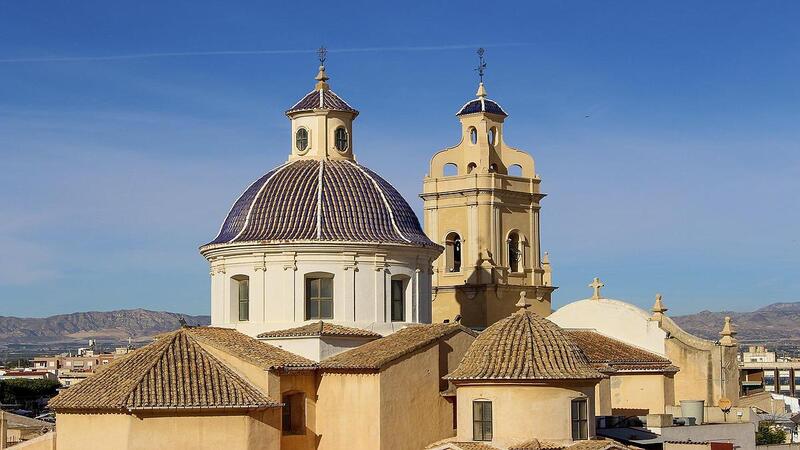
[109, 326]
[776, 322]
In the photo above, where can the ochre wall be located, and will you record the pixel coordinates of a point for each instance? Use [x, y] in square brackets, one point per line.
[304, 382]
[651, 392]
[413, 412]
[348, 411]
[257, 430]
[522, 411]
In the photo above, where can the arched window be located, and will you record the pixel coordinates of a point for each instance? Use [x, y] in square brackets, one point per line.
[515, 170]
[301, 139]
[450, 170]
[319, 296]
[453, 252]
[514, 252]
[398, 298]
[473, 135]
[471, 166]
[492, 135]
[240, 288]
[341, 139]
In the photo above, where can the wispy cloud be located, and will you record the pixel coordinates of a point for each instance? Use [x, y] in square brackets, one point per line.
[131, 56]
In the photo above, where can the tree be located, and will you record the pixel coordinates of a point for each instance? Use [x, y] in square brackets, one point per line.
[769, 433]
[29, 394]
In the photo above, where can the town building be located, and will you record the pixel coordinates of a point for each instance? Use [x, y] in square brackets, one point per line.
[326, 332]
[706, 370]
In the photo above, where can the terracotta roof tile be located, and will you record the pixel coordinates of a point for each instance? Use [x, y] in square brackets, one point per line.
[242, 346]
[173, 372]
[380, 352]
[321, 99]
[523, 346]
[604, 351]
[320, 328]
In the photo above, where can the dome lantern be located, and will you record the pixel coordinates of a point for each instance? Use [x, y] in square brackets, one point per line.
[322, 122]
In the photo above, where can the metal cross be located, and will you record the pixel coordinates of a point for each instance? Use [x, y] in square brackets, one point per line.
[596, 284]
[322, 53]
[482, 63]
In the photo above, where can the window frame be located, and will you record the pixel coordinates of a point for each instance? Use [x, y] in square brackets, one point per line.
[514, 255]
[454, 252]
[397, 302]
[297, 138]
[309, 298]
[579, 425]
[242, 301]
[482, 423]
[337, 140]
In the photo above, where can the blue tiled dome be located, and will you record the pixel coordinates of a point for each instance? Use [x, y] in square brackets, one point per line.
[482, 105]
[330, 201]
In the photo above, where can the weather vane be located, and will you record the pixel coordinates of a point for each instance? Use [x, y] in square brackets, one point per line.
[482, 65]
[322, 53]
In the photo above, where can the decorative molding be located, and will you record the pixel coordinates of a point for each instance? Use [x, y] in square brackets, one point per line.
[292, 261]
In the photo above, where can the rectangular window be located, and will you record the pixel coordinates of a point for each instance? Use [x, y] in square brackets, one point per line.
[319, 298]
[580, 421]
[481, 420]
[398, 301]
[293, 414]
[244, 299]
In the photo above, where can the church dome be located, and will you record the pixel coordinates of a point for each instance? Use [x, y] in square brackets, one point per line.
[524, 346]
[322, 200]
[483, 105]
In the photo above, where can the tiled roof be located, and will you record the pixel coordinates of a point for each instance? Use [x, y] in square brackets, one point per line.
[604, 351]
[244, 347]
[320, 329]
[328, 201]
[321, 99]
[482, 105]
[173, 372]
[380, 352]
[523, 346]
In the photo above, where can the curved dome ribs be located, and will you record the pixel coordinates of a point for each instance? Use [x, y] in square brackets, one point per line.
[287, 207]
[329, 201]
[237, 216]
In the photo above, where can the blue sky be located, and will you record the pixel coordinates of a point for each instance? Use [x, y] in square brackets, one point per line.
[683, 179]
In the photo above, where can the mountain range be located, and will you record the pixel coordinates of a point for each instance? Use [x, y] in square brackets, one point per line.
[770, 324]
[116, 326]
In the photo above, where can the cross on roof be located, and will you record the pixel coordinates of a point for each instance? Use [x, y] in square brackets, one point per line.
[596, 284]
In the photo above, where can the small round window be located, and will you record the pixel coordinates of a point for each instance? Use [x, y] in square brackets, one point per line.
[341, 139]
[301, 139]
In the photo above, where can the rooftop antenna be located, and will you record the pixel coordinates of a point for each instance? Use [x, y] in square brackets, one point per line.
[481, 63]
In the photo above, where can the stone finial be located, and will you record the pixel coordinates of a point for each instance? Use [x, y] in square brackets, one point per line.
[322, 80]
[658, 306]
[547, 277]
[728, 334]
[523, 304]
[596, 284]
[481, 90]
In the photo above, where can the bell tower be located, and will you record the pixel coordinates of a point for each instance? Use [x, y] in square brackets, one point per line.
[481, 202]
